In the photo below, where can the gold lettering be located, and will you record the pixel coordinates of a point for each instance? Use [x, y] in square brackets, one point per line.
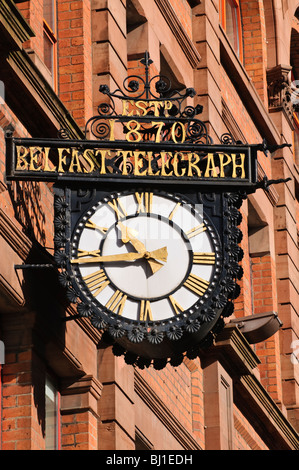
[193, 160]
[22, 163]
[176, 160]
[118, 208]
[61, 160]
[139, 162]
[112, 126]
[142, 105]
[117, 302]
[204, 258]
[196, 230]
[145, 201]
[125, 154]
[102, 165]
[125, 111]
[82, 253]
[167, 107]
[156, 105]
[145, 311]
[35, 153]
[165, 163]
[175, 305]
[90, 224]
[196, 284]
[224, 163]
[211, 167]
[174, 210]
[75, 162]
[96, 282]
[238, 165]
[88, 157]
[46, 166]
[150, 170]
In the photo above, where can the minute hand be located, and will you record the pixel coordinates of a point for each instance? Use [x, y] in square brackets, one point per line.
[161, 254]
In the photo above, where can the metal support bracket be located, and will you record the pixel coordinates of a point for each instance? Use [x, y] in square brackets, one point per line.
[34, 266]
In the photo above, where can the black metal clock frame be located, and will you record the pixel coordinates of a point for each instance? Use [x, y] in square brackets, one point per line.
[158, 342]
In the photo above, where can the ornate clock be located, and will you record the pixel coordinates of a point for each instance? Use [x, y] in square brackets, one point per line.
[146, 218]
[157, 270]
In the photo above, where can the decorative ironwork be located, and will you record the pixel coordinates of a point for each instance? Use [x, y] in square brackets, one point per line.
[147, 102]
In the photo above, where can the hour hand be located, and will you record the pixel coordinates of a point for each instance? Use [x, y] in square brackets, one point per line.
[129, 235]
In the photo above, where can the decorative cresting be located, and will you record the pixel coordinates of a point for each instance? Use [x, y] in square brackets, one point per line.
[150, 100]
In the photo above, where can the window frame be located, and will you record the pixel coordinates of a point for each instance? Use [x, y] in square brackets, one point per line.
[223, 22]
[51, 34]
[49, 379]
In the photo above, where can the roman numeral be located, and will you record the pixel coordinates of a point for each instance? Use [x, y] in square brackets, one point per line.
[174, 211]
[96, 282]
[196, 230]
[82, 253]
[145, 311]
[117, 302]
[196, 284]
[118, 208]
[204, 258]
[93, 226]
[175, 305]
[144, 201]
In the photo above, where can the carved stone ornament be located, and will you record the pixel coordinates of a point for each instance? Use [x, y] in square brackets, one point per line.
[280, 90]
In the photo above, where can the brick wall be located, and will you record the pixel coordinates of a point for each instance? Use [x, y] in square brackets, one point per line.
[255, 46]
[75, 58]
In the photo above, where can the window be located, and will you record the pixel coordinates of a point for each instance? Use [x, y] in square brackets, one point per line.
[50, 39]
[52, 424]
[230, 19]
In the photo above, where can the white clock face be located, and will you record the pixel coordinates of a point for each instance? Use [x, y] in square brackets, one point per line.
[145, 256]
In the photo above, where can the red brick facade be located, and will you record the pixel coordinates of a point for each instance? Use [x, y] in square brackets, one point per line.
[237, 394]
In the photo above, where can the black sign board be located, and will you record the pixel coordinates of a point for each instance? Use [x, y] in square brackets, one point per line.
[90, 161]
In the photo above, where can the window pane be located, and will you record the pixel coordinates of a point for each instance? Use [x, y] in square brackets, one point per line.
[51, 416]
[48, 52]
[49, 14]
[232, 25]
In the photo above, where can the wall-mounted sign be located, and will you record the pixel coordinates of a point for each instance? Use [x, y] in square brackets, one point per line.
[86, 161]
[146, 218]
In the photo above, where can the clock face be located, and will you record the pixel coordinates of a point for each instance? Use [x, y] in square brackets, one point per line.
[145, 256]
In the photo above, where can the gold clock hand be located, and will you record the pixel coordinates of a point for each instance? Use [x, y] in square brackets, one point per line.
[109, 258]
[128, 235]
[161, 254]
